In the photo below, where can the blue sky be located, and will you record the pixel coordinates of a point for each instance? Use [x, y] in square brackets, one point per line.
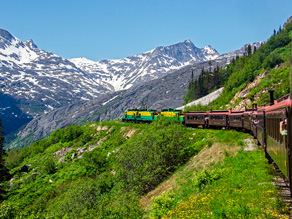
[109, 29]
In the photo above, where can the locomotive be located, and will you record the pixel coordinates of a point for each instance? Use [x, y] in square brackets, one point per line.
[271, 125]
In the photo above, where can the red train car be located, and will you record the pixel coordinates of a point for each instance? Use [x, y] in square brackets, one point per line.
[236, 119]
[195, 119]
[278, 135]
[247, 119]
[218, 118]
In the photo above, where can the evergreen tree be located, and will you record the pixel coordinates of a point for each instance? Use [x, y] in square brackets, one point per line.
[3, 171]
[216, 76]
[254, 49]
[249, 50]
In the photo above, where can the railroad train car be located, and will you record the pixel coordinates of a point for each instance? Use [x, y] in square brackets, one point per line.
[198, 118]
[277, 137]
[218, 118]
[247, 120]
[173, 114]
[130, 115]
[140, 116]
[236, 119]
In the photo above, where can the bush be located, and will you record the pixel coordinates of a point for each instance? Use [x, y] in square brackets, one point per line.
[49, 166]
[94, 161]
[202, 178]
[162, 204]
[272, 60]
[144, 161]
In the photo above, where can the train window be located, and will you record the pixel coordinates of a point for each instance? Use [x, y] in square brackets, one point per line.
[277, 129]
[281, 136]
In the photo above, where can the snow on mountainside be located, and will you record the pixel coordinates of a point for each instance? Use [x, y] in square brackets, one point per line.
[42, 81]
[39, 79]
[134, 70]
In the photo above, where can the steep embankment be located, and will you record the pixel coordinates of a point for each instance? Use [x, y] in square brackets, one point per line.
[249, 77]
[112, 170]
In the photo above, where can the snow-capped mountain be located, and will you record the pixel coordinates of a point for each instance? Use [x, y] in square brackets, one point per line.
[134, 70]
[41, 80]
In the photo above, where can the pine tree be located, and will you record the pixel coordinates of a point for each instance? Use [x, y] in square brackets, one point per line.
[248, 50]
[254, 49]
[3, 171]
[216, 76]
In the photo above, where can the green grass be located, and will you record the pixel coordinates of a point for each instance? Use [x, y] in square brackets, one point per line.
[238, 187]
[108, 182]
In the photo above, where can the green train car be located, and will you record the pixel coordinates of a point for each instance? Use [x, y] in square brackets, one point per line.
[173, 114]
[140, 116]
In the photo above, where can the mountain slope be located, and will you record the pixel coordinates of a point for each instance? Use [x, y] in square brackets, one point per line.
[165, 92]
[134, 70]
[40, 80]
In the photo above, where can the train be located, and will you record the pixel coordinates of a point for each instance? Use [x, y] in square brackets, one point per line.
[271, 125]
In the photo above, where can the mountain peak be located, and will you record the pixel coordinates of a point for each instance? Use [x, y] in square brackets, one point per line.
[188, 41]
[6, 35]
[30, 44]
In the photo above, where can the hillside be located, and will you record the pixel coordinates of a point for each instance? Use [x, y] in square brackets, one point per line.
[113, 169]
[247, 79]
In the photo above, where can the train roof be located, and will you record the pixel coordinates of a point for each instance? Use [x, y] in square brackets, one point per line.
[170, 110]
[221, 112]
[282, 104]
[236, 113]
[198, 112]
[248, 112]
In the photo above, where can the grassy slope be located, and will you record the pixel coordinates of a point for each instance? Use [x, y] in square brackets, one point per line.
[96, 186]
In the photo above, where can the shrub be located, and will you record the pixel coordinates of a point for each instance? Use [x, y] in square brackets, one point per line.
[144, 161]
[49, 166]
[202, 178]
[162, 204]
[272, 60]
[94, 161]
